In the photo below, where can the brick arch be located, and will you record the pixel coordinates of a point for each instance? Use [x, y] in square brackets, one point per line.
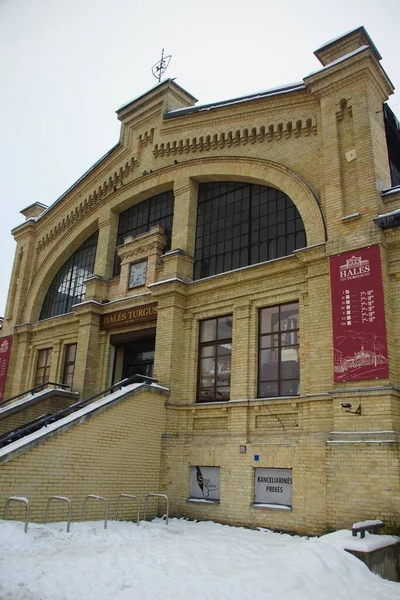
[251, 170]
[266, 173]
[53, 262]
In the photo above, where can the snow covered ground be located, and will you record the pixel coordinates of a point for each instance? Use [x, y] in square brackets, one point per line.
[184, 560]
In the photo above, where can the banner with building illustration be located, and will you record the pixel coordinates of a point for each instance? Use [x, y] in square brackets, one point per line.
[5, 351]
[358, 315]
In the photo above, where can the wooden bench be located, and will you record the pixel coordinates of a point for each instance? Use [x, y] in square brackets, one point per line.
[364, 526]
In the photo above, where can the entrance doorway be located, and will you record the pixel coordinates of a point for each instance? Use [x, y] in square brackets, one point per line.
[138, 358]
[134, 354]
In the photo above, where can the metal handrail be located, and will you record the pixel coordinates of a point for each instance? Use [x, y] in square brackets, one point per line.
[158, 496]
[133, 498]
[47, 420]
[94, 497]
[35, 389]
[62, 499]
[24, 501]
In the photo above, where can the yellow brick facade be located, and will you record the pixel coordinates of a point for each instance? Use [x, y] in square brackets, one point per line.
[345, 467]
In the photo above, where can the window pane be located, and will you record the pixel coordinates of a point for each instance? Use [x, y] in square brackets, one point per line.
[42, 358]
[268, 389]
[290, 363]
[70, 354]
[269, 341]
[269, 317]
[223, 393]
[290, 388]
[224, 350]
[290, 316]
[268, 365]
[207, 394]
[208, 330]
[207, 351]
[207, 366]
[225, 328]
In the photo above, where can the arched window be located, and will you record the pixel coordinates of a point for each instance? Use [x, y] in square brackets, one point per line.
[240, 224]
[141, 217]
[67, 287]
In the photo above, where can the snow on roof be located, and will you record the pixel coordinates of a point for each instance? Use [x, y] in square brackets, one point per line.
[85, 174]
[339, 60]
[292, 87]
[44, 431]
[344, 35]
[159, 84]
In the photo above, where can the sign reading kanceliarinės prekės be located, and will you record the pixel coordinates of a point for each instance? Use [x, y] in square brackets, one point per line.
[273, 486]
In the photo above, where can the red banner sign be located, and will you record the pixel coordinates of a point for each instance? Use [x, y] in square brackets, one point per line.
[358, 315]
[5, 351]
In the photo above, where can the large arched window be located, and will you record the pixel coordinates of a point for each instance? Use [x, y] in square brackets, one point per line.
[67, 287]
[141, 217]
[240, 224]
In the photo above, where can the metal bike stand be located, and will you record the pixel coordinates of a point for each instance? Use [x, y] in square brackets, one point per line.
[133, 498]
[61, 499]
[102, 499]
[152, 494]
[24, 501]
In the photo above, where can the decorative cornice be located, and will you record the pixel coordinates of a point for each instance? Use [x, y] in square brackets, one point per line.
[109, 186]
[240, 137]
[144, 250]
[146, 138]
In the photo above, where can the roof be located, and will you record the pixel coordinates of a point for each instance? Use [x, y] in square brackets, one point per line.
[158, 85]
[181, 112]
[78, 181]
[361, 29]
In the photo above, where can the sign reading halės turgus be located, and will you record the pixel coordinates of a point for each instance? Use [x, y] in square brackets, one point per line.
[129, 316]
[358, 316]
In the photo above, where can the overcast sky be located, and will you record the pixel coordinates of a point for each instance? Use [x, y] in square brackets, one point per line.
[67, 65]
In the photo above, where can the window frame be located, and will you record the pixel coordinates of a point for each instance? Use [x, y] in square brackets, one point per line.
[68, 364]
[213, 343]
[46, 368]
[239, 224]
[70, 278]
[146, 211]
[279, 333]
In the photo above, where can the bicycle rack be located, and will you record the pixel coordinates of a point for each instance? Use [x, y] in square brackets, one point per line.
[152, 494]
[24, 501]
[102, 499]
[62, 499]
[133, 498]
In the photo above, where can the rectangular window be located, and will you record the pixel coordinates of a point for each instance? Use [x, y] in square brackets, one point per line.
[43, 366]
[215, 348]
[273, 487]
[69, 365]
[278, 351]
[204, 484]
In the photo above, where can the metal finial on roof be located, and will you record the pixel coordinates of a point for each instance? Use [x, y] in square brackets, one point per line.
[161, 66]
